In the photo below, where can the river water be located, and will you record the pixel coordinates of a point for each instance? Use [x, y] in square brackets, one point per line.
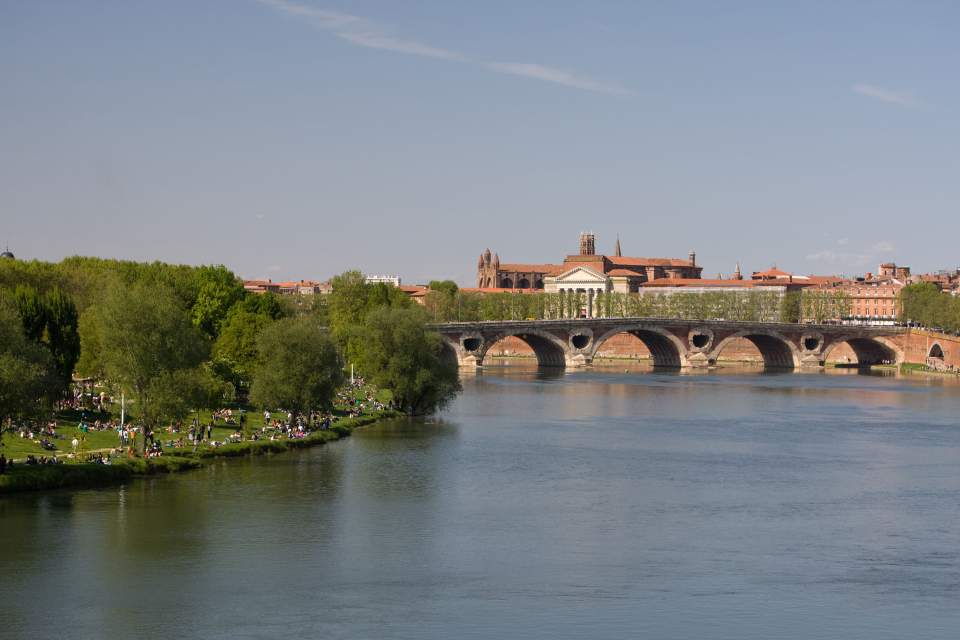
[595, 504]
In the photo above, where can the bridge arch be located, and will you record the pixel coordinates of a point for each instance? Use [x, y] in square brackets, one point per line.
[868, 351]
[548, 348]
[666, 350]
[777, 351]
[936, 352]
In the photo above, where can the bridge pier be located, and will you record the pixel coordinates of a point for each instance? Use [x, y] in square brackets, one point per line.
[469, 361]
[576, 360]
[811, 361]
[698, 360]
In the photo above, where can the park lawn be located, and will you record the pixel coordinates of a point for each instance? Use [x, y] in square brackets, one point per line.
[17, 448]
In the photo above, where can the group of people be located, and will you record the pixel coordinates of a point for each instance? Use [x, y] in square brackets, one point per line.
[276, 425]
[33, 460]
[348, 397]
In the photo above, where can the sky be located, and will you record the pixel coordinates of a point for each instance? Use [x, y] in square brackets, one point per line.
[294, 139]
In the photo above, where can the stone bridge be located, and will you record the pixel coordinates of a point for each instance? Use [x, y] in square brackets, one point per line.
[676, 343]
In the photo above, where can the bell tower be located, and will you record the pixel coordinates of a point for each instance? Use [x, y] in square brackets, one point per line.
[588, 245]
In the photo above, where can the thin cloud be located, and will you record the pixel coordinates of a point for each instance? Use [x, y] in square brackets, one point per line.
[556, 76]
[884, 246]
[828, 256]
[363, 33]
[358, 31]
[890, 96]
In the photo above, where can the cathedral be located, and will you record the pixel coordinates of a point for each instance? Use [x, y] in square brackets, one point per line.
[584, 271]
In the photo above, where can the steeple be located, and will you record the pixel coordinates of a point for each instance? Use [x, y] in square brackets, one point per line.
[616, 251]
[486, 256]
[736, 274]
[496, 261]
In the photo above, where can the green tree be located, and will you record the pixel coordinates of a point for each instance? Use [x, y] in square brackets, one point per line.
[138, 335]
[32, 312]
[267, 304]
[401, 355]
[176, 393]
[235, 351]
[448, 287]
[347, 307]
[28, 378]
[62, 333]
[218, 289]
[790, 307]
[925, 304]
[299, 368]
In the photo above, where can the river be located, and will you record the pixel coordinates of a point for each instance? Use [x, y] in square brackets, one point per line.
[592, 504]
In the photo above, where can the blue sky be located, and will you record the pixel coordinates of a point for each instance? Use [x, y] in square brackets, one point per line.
[291, 139]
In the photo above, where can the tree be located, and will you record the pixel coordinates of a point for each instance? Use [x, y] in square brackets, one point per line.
[347, 309]
[299, 368]
[448, 287]
[30, 308]
[924, 303]
[235, 351]
[28, 378]
[137, 335]
[176, 393]
[402, 356]
[63, 336]
[51, 320]
[790, 307]
[218, 290]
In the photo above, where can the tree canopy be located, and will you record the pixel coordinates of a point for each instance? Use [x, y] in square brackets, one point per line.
[27, 370]
[401, 355]
[299, 368]
[139, 337]
[925, 304]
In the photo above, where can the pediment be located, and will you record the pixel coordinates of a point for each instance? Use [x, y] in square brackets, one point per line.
[581, 274]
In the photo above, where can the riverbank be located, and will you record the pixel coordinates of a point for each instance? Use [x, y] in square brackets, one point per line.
[25, 477]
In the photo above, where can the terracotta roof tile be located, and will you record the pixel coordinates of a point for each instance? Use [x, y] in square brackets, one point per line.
[621, 261]
[547, 269]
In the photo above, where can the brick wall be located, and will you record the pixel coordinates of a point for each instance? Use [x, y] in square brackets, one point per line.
[919, 343]
[624, 345]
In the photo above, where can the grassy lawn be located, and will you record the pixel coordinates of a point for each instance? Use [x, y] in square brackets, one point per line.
[68, 422]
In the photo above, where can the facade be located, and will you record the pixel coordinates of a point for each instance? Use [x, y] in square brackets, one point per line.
[586, 271]
[874, 301]
[492, 274]
[391, 280]
[299, 287]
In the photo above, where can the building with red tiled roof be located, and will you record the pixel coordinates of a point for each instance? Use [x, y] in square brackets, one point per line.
[602, 272]
[293, 287]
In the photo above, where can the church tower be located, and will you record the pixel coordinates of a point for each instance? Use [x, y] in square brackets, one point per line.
[616, 251]
[588, 244]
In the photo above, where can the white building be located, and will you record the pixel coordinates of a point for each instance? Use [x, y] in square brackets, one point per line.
[377, 279]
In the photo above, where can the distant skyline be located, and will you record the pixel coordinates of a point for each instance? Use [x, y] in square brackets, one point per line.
[294, 139]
